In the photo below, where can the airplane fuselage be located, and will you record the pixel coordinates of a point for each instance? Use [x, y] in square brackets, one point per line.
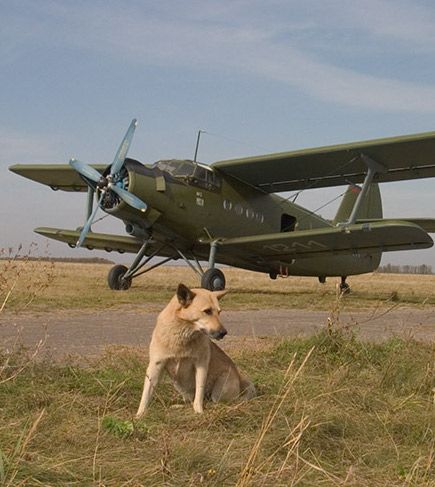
[192, 209]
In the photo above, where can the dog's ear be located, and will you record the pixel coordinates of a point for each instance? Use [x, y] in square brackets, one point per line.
[220, 294]
[185, 295]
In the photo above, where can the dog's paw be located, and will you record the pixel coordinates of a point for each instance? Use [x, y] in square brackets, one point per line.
[198, 408]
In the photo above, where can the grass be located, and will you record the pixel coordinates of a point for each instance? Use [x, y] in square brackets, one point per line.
[331, 411]
[44, 286]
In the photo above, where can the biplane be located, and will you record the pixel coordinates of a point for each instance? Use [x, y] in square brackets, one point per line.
[229, 212]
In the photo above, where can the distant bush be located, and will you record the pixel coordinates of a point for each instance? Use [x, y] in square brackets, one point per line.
[405, 269]
[73, 260]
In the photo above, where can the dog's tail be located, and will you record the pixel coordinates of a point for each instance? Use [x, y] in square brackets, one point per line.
[247, 389]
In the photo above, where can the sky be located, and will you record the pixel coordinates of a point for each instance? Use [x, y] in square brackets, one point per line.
[257, 76]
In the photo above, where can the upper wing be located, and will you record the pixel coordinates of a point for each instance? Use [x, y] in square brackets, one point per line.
[57, 176]
[353, 239]
[407, 157]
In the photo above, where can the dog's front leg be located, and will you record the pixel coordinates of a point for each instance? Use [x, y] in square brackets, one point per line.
[200, 381]
[152, 377]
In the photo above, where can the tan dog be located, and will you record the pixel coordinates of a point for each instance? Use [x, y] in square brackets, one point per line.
[180, 344]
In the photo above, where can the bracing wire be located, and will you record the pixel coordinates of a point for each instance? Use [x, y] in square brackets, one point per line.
[315, 183]
[99, 219]
[314, 212]
[295, 195]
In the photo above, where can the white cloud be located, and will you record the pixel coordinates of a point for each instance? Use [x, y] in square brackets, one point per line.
[225, 40]
[245, 37]
[396, 20]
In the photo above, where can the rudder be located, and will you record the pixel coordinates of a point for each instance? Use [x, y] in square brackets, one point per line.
[371, 207]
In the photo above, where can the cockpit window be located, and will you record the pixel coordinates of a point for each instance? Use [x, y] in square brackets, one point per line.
[176, 168]
[193, 173]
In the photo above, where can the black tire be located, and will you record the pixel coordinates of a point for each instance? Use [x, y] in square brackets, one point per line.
[213, 280]
[116, 280]
[344, 288]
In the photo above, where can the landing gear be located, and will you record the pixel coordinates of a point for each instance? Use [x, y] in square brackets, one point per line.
[120, 278]
[344, 286]
[213, 280]
[116, 279]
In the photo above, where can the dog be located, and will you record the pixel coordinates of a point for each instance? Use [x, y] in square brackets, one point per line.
[181, 345]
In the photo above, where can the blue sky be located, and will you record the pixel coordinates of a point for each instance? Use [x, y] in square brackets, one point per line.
[258, 76]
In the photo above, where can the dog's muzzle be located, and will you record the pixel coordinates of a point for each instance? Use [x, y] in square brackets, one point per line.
[218, 335]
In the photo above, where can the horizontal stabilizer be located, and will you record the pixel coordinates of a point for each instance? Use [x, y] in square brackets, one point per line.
[355, 239]
[57, 176]
[427, 224]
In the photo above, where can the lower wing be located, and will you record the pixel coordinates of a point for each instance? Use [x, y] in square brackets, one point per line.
[355, 239]
[101, 241]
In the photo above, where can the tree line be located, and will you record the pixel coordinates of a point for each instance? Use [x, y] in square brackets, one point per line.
[405, 269]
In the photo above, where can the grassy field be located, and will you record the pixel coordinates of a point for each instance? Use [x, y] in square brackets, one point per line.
[43, 286]
[331, 411]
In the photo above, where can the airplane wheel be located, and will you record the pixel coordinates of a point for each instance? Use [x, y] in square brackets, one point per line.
[213, 280]
[116, 279]
[344, 288]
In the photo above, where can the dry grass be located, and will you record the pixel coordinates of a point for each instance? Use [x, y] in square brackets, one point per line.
[332, 411]
[45, 286]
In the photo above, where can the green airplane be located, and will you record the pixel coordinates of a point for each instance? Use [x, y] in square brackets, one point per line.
[229, 213]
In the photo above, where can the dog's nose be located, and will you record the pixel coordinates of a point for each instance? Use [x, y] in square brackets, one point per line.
[222, 334]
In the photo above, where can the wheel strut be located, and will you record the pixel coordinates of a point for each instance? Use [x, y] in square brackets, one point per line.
[213, 279]
[344, 286]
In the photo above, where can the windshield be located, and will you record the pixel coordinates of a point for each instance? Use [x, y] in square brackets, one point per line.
[197, 174]
[177, 168]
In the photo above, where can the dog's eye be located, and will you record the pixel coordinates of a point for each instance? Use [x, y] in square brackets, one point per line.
[208, 311]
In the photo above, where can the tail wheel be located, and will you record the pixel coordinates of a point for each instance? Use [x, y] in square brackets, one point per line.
[344, 286]
[116, 279]
[213, 280]
[273, 275]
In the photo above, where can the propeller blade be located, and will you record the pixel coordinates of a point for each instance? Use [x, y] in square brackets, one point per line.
[87, 227]
[85, 170]
[118, 162]
[128, 197]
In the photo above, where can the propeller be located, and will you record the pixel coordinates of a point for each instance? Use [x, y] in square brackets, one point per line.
[87, 226]
[111, 182]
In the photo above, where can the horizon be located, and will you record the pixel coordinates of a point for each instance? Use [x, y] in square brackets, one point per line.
[257, 78]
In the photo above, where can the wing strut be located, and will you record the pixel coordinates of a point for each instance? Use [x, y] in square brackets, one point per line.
[373, 168]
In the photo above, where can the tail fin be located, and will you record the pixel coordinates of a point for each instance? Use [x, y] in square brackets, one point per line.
[371, 207]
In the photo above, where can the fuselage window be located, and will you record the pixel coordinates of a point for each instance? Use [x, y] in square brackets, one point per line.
[288, 223]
